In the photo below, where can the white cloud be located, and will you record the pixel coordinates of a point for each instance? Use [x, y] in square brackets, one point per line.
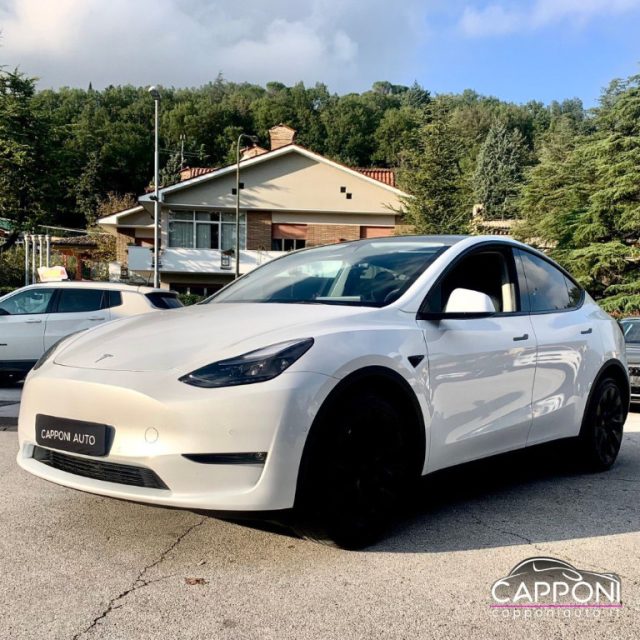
[346, 43]
[499, 19]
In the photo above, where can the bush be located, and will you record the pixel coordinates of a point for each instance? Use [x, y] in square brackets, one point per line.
[5, 290]
[12, 268]
[188, 299]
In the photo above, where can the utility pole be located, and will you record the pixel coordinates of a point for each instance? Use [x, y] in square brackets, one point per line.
[253, 139]
[155, 94]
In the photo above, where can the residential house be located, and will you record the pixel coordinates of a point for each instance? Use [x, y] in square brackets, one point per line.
[290, 198]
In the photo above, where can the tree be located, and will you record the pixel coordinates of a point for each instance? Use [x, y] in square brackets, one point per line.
[432, 175]
[556, 192]
[498, 174]
[23, 170]
[582, 201]
[396, 134]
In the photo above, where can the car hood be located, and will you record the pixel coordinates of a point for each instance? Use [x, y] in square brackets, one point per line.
[188, 338]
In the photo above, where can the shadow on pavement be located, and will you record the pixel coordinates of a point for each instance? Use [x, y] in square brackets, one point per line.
[527, 497]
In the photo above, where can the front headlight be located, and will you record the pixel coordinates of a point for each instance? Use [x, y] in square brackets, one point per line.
[255, 366]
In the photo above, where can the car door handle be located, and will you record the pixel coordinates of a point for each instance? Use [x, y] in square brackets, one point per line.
[96, 318]
[524, 336]
[586, 332]
[33, 321]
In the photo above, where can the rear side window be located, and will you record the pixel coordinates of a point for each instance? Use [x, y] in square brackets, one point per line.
[167, 300]
[114, 299]
[80, 300]
[548, 288]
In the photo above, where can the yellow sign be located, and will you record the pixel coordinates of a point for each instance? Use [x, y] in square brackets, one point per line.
[52, 274]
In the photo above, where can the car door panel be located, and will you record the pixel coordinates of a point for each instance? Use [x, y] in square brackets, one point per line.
[481, 369]
[565, 324]
[76, 310]
[22, 329]
[567, 363]
[480, 384]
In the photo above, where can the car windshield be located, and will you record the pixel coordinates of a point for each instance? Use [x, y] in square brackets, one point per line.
[373, 273]
[631, 330]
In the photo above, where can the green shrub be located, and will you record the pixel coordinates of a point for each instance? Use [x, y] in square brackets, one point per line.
[12, 268]
[188, 299]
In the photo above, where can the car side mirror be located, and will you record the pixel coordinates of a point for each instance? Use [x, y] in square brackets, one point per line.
[463, 303]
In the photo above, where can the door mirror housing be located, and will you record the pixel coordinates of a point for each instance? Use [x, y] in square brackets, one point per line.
[463, 303]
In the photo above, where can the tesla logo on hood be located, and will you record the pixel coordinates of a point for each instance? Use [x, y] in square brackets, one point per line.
[549, 582]
[104, 356]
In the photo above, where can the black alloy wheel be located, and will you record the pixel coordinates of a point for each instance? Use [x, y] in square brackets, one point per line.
[358, 473]
[601, 434]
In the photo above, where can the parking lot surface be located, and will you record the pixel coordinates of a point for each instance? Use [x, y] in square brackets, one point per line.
[75, 565]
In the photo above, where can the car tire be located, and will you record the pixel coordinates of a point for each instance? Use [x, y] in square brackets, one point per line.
[359, 466]
[601, 433]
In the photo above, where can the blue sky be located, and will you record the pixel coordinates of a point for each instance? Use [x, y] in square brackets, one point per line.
[523, 50]
[518, 50]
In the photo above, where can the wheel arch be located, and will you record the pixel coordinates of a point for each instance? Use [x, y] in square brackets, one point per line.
[390, 383]
[616, 370]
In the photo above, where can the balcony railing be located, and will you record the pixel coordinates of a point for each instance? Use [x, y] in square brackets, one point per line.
[173, 260]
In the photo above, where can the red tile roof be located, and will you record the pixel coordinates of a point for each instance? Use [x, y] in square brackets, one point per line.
[193, 172]
[381, 175]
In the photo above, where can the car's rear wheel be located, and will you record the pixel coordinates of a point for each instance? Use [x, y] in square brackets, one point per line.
[360, 463]
[601, 434]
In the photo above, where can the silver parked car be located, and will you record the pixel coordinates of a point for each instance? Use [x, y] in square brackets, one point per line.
[631, 330]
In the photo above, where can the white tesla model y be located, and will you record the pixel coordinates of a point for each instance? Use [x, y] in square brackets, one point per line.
[326, 381]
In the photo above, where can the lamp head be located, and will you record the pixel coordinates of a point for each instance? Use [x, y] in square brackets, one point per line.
[153, 90]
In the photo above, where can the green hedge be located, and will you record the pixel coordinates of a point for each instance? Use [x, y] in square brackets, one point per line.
[5, 290]
[188, 299]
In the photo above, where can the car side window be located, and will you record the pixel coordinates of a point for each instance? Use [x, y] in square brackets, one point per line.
[490, 271]
[80, 300]
[114, 298]
[28, 302]
[548, 288]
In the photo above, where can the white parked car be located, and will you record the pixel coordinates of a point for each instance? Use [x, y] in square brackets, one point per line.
[35, 317]
[328, 380]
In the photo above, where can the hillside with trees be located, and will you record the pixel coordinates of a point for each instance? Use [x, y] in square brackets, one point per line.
[570, 177]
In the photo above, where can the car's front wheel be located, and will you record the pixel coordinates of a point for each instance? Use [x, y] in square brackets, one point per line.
[360, 464]
[601, 434]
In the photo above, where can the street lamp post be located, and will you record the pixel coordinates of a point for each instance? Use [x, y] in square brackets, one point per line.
[253, 139]
[155, 94]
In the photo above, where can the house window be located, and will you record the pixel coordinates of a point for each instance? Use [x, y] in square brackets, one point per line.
[287, 244]
[205, 230]
[287, 237]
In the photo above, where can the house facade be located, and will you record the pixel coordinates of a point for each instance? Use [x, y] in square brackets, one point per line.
[290, 198]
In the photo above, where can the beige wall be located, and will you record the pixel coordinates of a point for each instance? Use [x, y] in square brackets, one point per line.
[371, 220]
[292, 182]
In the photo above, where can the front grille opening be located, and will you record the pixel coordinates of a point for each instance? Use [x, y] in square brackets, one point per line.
[99, 470]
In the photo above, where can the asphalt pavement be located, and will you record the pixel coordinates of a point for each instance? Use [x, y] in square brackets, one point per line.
[9, 406]
[74, 565]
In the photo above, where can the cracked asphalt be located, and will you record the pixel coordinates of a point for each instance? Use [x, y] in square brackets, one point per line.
[73, 565]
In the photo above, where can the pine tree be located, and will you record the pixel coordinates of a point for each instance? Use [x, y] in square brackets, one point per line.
[499, 172]
[433, 177]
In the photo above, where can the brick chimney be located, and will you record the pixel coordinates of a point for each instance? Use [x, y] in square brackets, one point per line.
[281, 135]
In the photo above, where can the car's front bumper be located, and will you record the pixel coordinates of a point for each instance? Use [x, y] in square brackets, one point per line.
[158, 419]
